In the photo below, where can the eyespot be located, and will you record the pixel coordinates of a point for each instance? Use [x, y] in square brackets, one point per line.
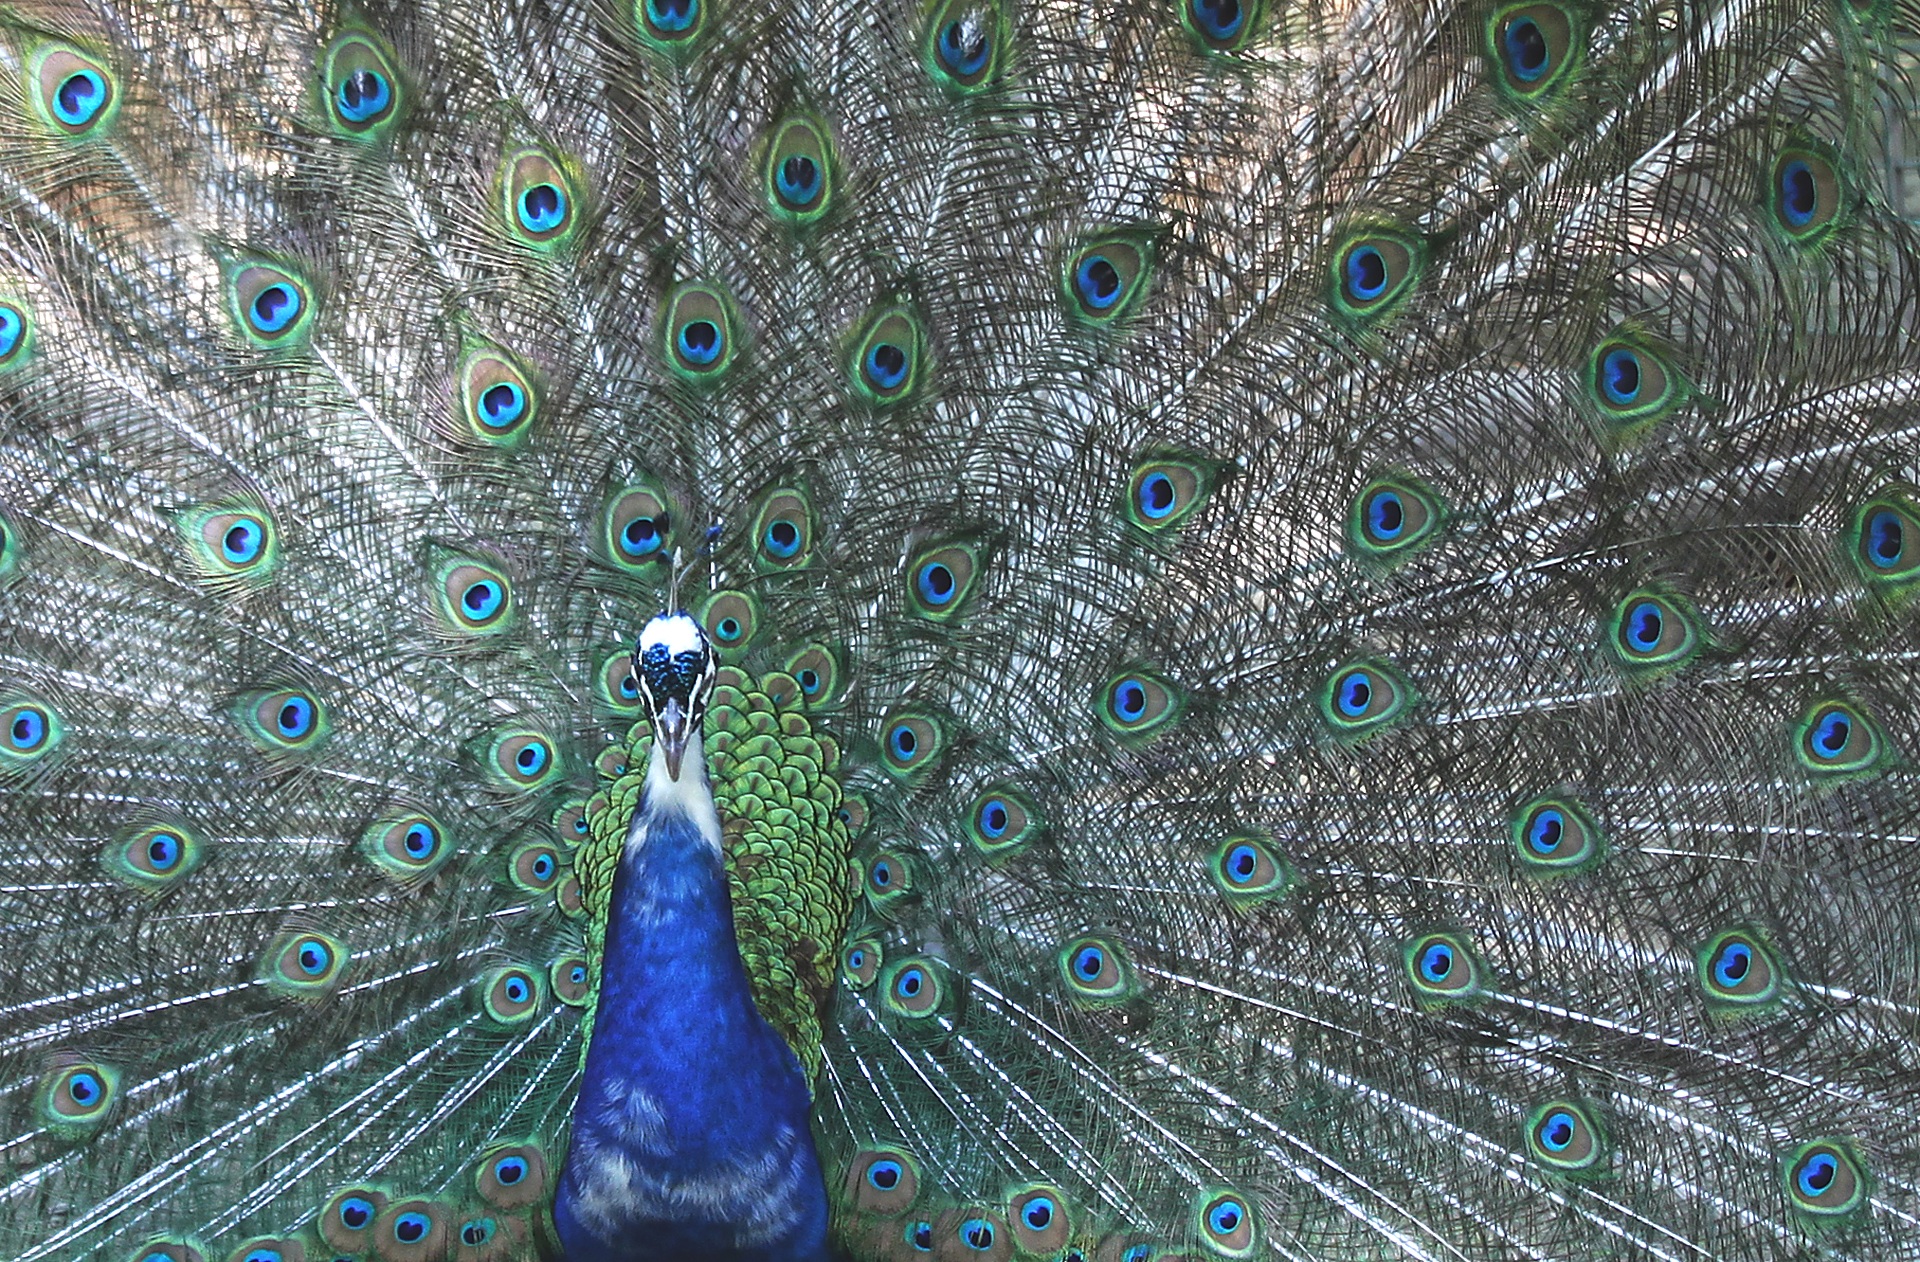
[363, 91]
[272, 306]
[942, 580]
[919, 1236]
[1392, 518]
[886, 358]
[911, 744]
[32, 731]
[1825, 1179]
[799, 170]
[1651, 630]
[512, 1178]
[1226, 1225]
[817, 672]
[1564, 1137]
[538, 200]
[1532, 46]
[1163, 493]
[511, 995]
[473, 598]
[881, 1181]
[406, 849]
[1737, 970]
[783, 532]
[571, 982]
[1105, 279]
[1363, 698]
[76, 95]
[670, 25]
[1373, 273]
[1442, 969]
[1554, 837]
[75, 1099]
[1248, 870]
[889, 876]
[153, 858]
[497, 400]
[1137, 705]
[1220, 26]
[965, 42]
[1631, 384]
[16, 333]
[619, 691]
[534, 867]
[304, 965]
[570, 896]
[522, 760]
[1096, 972]
[346, 1221]
[286, 722]
[1040, 1220]
[977, 1234]
[912, 988]
[853, 813]
[1806, 194]
[636, 526]
[699, 332]
[1834, 738]
[1003, 821]
[412, 1231]
[860, 963]
[731, 620]
[1885, 540]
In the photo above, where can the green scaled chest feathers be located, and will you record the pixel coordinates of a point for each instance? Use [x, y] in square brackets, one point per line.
[1300, 644]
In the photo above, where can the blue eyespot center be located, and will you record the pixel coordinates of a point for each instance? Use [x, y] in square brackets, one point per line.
[531, 758]
[700, 342]
[936, 583]
[1886, 539]
[1620, 376]
[29, 728]
[1158, 496]
[314, 958]
[886, 365]
[977, 1233]
[411, 1228]
[882, 874]
[1545, 832]
[242, 542]
[1817, 1173]
[1831, 733]
[1526, 46]
[1557, 1131]
[420, 840]
[904, 743]
[12, 325]
[510, 1170]
[1799, 193]
[517, 990]
[798, 180]
[1436, 962]
[356, 1212]
[295, 719]
[1225, 1218]
[275, 307]
[502, 404]
[884, 1175]
[1129, 701]
[543, 207]
[482, 600]
[578, 974]
[363, 95]
[79, 98]
[1366, 274]
[910, 983]
[84, 1089]
[1098, 282]
[163, 851]
[963, 47]
[809, 680]
[641, 536]
[1732, 964]
[783, 538]
[1645, 622]
[1218, 19]
[1088, 963]
[994, 817]
[1242, 862]
[1354, 693]
[920, 1236]
[672, 17]
[1038, 1213]
[1386, 515]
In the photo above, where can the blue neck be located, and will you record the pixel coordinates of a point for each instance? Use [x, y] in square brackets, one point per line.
[690, 1135]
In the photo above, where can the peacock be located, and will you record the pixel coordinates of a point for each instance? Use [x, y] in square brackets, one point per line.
[979, 629]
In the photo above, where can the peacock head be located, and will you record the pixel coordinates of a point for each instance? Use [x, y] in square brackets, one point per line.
[673, 665]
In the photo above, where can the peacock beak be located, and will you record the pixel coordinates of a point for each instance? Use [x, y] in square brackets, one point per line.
[673, 727]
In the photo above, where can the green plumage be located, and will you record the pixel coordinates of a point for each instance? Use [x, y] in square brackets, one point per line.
[1316, 599]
